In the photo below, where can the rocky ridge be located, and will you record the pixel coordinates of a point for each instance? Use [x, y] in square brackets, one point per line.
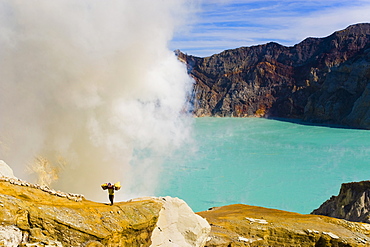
[323, 80]
[33, 215]
[20, 182]
[352, 203]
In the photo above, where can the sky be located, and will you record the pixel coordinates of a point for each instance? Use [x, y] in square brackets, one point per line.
[218, 25]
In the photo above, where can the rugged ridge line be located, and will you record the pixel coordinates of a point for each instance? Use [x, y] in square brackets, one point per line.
[317, 80]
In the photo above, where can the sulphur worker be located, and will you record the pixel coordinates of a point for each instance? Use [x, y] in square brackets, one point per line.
[111, 188]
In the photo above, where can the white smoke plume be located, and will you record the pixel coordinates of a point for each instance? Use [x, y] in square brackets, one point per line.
[93, 83]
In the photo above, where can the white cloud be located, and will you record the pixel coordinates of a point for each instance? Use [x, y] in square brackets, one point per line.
[230, 24]
[94, 85]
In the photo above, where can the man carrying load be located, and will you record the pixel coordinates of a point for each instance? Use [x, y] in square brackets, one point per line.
[111, 188]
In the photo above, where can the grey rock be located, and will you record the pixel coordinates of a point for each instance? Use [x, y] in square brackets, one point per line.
[352, 203]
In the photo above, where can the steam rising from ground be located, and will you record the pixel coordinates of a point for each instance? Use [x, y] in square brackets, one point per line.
[92, 83]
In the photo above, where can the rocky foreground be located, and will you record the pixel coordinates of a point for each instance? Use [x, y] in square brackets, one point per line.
[243, 225]
[33, 215]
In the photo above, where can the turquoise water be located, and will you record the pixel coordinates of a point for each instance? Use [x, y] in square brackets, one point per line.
[265, 163]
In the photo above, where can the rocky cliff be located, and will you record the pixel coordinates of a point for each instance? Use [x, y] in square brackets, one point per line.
[242, 225]
[344, 97]
[319, 80]
[352, 203]
[33, 215]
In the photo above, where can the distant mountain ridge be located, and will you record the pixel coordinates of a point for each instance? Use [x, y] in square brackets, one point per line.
[321, 80]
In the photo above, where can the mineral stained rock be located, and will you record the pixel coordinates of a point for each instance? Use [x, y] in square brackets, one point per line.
[243, 225]
[352, 203]
[320, 80]
[34, 215]
[344, 97]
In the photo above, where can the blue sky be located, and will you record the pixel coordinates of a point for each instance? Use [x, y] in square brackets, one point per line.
[218, 25]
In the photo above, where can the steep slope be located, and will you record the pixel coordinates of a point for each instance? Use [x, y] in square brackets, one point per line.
[352, 203]
[344, 97]
[272, 80]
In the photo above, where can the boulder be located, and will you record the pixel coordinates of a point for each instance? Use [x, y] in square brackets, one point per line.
[177, 224]
[10, 236]
[5, 170]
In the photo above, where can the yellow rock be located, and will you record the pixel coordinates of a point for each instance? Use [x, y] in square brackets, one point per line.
[56, 218]
[243, 225]
[44, 216]
[32, 215]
